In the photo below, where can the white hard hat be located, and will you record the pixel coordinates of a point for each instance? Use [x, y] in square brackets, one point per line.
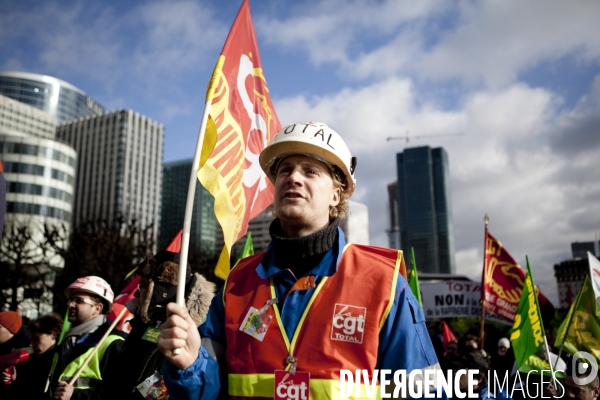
[313, 139]
[504, 342]
[94, 285]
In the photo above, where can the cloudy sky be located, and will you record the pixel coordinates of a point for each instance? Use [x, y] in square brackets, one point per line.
[520, 80]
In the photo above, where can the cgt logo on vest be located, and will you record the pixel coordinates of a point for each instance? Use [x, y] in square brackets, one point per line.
[291, 386]
[348, 323]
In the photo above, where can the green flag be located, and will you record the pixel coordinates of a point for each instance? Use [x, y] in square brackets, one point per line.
[66, 326]
[413, 278]
[527, 333]
[248, 247]
[581, 328]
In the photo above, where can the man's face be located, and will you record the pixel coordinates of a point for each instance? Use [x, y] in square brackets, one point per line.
[40, 342]
[463, 381]
[5, 334]
[452, 351]
[82, 308]
[502, 350]
[587, 392]
[304, 193]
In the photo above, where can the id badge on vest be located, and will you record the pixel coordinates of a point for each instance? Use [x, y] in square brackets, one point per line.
[256, 322]
[290, 386]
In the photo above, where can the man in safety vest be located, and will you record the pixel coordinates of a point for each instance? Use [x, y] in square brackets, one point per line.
[289, 320]
[90, 298]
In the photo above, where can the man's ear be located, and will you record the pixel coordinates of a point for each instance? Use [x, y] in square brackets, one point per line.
[337, 195]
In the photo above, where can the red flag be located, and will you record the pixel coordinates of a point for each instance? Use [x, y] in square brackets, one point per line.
[175, 246]
[241, 123]
[503, 282]
[447, 335]
[119, 303]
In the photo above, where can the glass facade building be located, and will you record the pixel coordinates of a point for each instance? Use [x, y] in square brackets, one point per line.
[176, 178]
[52, 95]
[119, 172]
[425, 209]
[40, 175]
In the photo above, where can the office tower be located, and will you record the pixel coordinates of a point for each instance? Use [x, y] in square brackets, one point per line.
[119, 167]
[20, 117]
[570, 275]
[176, 179]
[258, 226]
[40, 177]
[356, 224]
[39, 171]
[394, 231]
[425, 211]
[580, 249]
[52, 95]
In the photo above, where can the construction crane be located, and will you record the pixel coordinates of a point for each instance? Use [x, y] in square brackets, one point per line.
[407, 138]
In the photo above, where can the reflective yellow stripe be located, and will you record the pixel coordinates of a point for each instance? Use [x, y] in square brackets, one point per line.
[92, 369]
[399, 261]
[263, 385]
[301, 322]
[252, 385]
[291, 346]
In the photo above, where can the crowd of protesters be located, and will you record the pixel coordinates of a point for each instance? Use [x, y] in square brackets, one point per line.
[136, 362]
[497, 368]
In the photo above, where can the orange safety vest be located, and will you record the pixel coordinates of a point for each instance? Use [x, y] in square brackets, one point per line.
[339, 329]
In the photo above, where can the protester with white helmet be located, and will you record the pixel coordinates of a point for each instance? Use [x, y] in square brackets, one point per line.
[89, 299]
[309, 306]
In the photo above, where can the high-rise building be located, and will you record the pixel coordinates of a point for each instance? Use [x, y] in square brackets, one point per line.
[119, 167]
[394, 231]
[580, 249]
[40, 178]
[20, 117]
[52, 95]
[570, 275]
[425, 210]
[259, 227]
[176, 178]
[356, 224]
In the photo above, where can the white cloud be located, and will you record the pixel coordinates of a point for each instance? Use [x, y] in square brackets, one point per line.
[502, 166]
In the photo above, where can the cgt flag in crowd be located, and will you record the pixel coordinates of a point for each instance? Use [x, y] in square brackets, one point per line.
[580, 331]
[241, 123]
[503, 282]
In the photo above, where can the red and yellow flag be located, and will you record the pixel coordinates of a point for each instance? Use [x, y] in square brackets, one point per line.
[241, 123]
[503, 281]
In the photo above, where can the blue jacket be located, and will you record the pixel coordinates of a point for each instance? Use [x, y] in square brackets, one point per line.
[412, 349]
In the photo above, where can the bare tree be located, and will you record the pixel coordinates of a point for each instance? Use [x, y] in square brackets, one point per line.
[22, 264]
[102, 248]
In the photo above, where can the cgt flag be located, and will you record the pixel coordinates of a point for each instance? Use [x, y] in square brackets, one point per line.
[580, 331]
[527, 333]
[503, 282]
[241, 123]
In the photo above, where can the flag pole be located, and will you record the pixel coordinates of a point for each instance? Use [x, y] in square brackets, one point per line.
[189, 208]
[486, 220]
[95, 350]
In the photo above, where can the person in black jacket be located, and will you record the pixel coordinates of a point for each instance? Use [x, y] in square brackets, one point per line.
[30, 380]
[137, 370]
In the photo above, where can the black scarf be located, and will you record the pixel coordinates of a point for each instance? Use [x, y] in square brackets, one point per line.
[302, 254]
